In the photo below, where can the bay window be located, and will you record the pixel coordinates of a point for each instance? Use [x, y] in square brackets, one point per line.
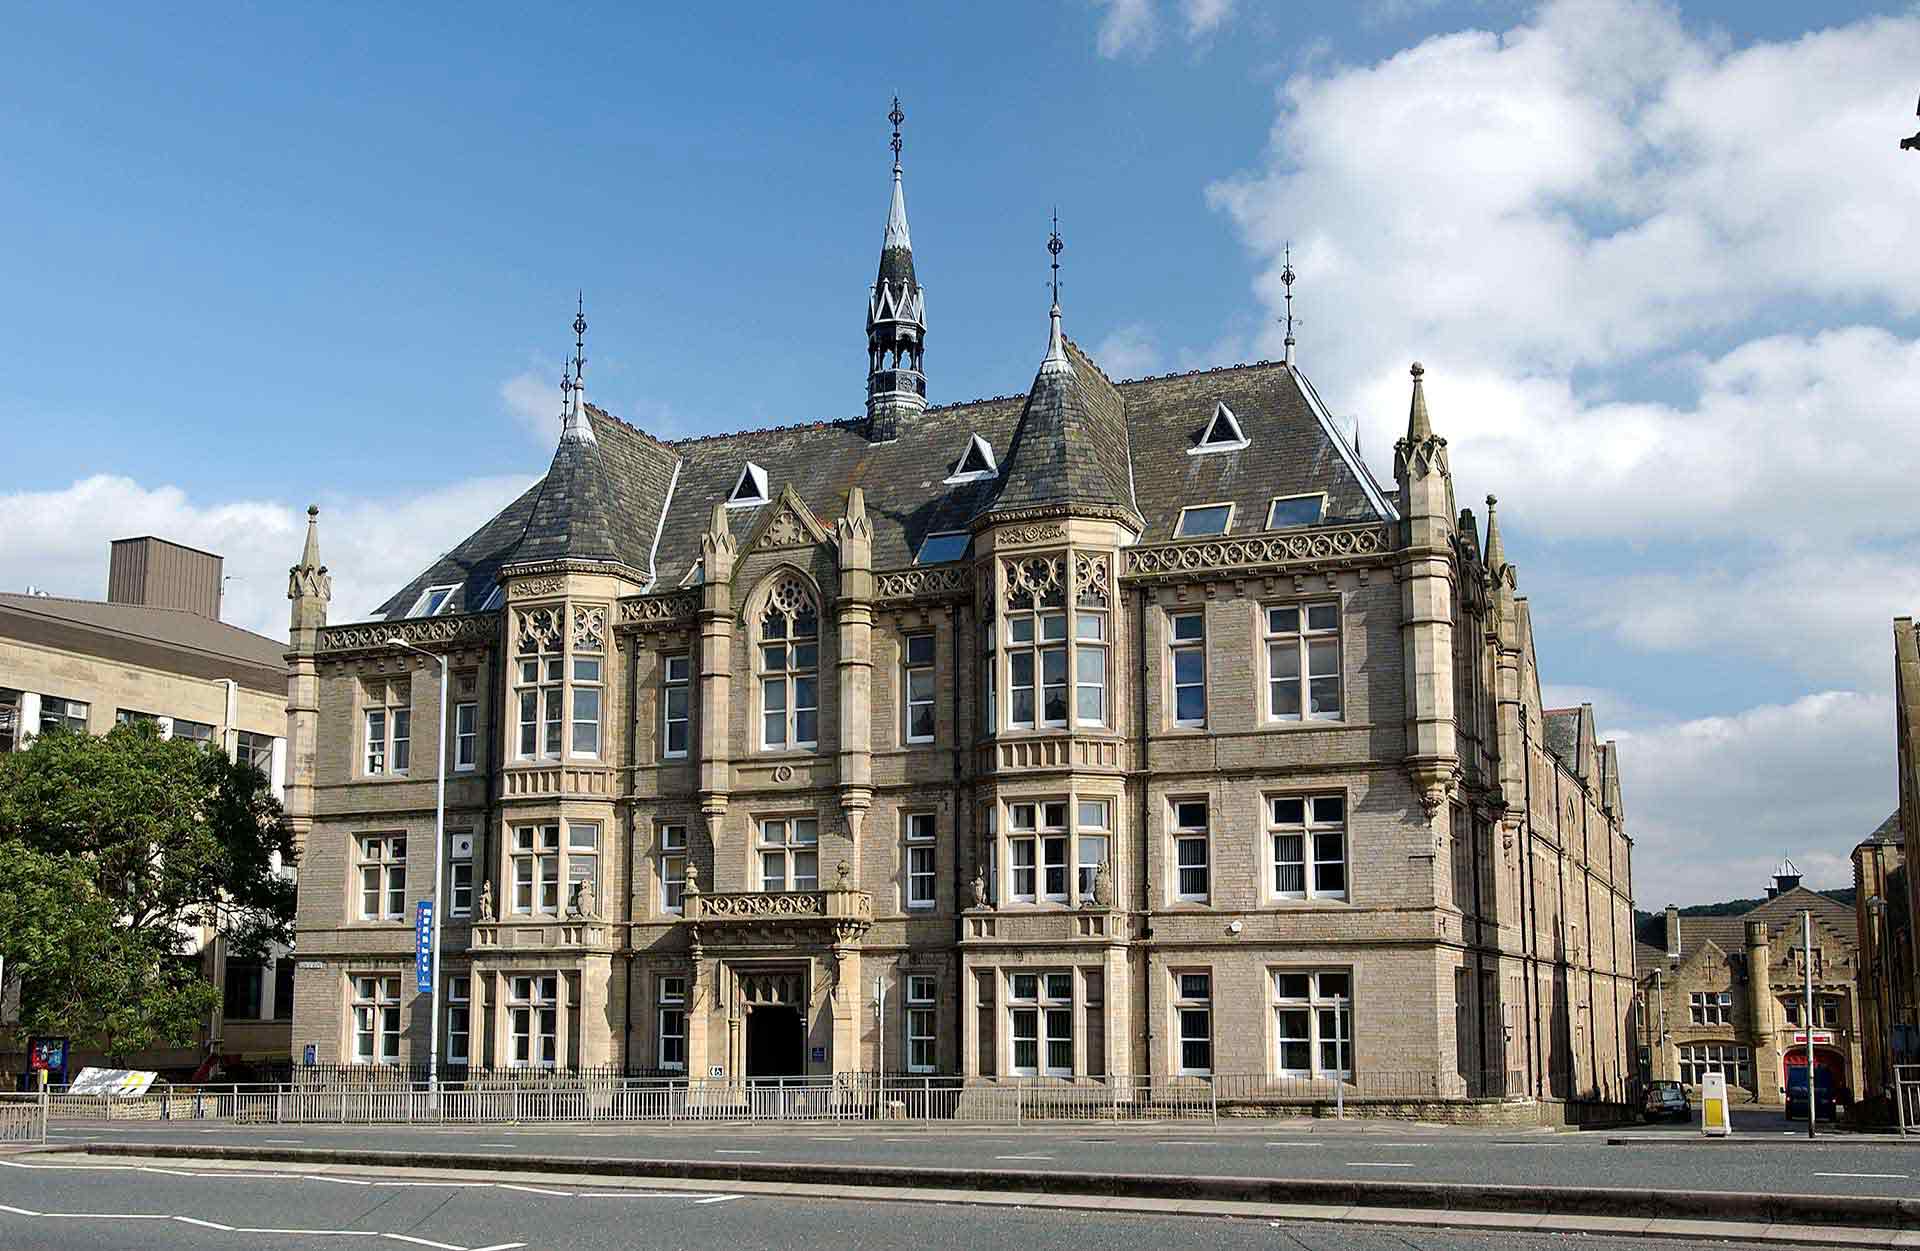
[533, 1020]
[1054, 649]
[536, 869]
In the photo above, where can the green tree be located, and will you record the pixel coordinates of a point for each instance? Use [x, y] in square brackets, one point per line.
[112, 850]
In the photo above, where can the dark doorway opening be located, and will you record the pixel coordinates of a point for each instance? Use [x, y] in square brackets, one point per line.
[776, 1042]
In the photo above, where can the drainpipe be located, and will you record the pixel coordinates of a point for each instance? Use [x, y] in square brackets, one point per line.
[1530, 898]
[1145, 773]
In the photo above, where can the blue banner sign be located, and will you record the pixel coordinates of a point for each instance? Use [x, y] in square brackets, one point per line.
[423, 948]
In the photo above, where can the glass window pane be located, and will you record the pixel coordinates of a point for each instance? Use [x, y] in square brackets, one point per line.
[1209, 519]
[1323, 617]
[1326, 697]
[1188, 627]
[1292, 986]
[1093, 814]
[1090, 627]
[1190, 815]
[920, 649]
[1053, 626]
[1283, 620]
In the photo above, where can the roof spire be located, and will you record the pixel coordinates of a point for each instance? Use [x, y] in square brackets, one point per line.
[896, 318]
[897, 235]
[1286, 280]
[574, 425]
[1496, 550]
[896, 117]
[1419, 425]
[1056, 358]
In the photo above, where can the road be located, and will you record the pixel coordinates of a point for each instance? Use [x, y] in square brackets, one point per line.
[1765, 1156]
[66, 1204]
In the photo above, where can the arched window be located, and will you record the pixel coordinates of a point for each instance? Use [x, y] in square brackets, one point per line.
[790, 668]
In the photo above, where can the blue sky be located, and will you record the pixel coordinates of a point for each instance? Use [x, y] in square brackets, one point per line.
[1657, 261]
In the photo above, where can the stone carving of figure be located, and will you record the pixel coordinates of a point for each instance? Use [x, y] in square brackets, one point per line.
[693, 878]
[486, 900]
[845, 872]
[979, 891]
[583, 901]
[1103, 886]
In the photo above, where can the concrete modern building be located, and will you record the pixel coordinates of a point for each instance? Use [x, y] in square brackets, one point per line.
[1099, 730]
[1727, 993]
[156, 650]
[1884, 923]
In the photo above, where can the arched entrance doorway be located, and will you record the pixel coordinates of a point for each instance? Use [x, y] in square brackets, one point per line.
[776, 1041]
[1830, 1063]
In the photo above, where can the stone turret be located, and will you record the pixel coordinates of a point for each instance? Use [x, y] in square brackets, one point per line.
[310, 590]
[1426, 540]
[896, 320]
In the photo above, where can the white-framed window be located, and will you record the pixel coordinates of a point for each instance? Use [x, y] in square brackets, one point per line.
[63, 714]
[1093, 837]
[976, 464]
[1050, 655]
[583, 860]
[1200, 520]
[1303, 662]
[383, 877]
[789, 854]
[1308, 838]
[1187, 662]
[459, 873]
[459, 1018]
[673, 1023]
[1192, 873]
[536, 869]
[750, 488]
[789, 659]
[1312, 1022]
[676, 702]
[1287, 511]
[1829, 1012]
[586, 706]
[255, 750]
[376, 1019]
[466, 735]
[1222, 433]
[1193, 1021]
[673, 867]
[1040, 1023]
[1037, 849]
[192, 731]
[1036, 668]
[1089, 667]
[922, 1051]
[388, 728]
[1711, 1007]
[533, 1020]
[434, 601]
[917, 665]
[539, 697]
[921, 846]
[943, 546]
[1731, 1060]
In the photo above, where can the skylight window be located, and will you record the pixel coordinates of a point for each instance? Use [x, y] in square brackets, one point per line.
[1222, 434]
[1203, 519]
[696, 575]
[433, 600]
[976, 463]
[942, 547]
[494, 597]
[750, 488]
[1296, 510]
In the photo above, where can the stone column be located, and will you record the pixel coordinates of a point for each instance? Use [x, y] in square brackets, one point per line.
[1766, 1056]
[854, 620]
[715, 710]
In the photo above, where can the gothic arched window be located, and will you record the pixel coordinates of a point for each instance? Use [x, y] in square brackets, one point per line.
[789, 662]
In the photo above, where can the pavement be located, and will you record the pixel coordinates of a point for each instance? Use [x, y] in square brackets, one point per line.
[1668, 1157]
[62, 1202]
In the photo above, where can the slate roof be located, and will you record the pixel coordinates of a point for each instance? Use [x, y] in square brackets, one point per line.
[171, 627]
[1888, 831]
[1128, 445]
[1729, 933]
[1562, 733]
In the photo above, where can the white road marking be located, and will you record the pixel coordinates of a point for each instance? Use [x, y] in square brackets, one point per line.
[501, 1246]
[536, 1190]
[1176, 1142]
[1296, 1144]
[285, 1141]
[113, 1216]
[1374, 1164]
[733, 1151]
[831, 1137]
[188, 1220]
[17, 1211]
[717, 1199]
[424, 1242]
[1887, 1176]
[507, 1145]
[1023, 1157]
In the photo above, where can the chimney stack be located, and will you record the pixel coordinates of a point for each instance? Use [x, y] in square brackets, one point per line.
[1673, 932]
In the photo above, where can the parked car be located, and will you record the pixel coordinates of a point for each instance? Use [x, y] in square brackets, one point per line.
[1667, 1101]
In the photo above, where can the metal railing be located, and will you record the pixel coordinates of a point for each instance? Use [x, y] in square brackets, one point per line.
[23, 1118]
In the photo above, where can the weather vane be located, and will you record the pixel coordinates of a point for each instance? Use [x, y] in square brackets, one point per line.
[896, 117]
[1286, 280]
[1053, 246]
[579, 335]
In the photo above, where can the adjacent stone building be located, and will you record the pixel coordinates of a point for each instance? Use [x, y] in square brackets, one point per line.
[1101, 730]
[156, 650]
[1883, 922]
[1906, 754]
[1728, 993]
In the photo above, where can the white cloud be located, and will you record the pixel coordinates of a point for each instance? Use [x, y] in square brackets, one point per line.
[57, 540]
[1128, 352]
[1713, 803]
[535, 402]
[1203, 17]
[1129, 26]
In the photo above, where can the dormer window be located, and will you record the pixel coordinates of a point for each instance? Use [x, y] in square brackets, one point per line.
[1296, 510]
[1222, 434]
[434, 600]
[947, 545]
[976, 464]
[1201, 520]
[749, 489]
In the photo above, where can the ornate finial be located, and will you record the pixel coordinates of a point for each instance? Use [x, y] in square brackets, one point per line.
[1491, 502]
[1286, 280]
[1418, 370]
[313, 510]
[579, 337]
[1054, 246]
[896, 117]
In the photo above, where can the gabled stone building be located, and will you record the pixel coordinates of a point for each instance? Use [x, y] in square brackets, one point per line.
[1104, 729]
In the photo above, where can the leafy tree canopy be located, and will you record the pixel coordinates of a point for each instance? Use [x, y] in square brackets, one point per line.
[112, 850]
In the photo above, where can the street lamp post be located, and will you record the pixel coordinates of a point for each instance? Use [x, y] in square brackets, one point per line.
[439, 869]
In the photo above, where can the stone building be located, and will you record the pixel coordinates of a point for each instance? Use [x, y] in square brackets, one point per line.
[1906, 754]
[1100, 730]
[156, 650]
[1883, 922]
[1727, 993]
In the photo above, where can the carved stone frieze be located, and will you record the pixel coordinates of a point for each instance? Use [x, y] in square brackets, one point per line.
[1254, 551]
[532, 588]
[1034, 581]
[932, 582]
[1039, 532]
[539, 629]
[765, 904]
[657, 612]
[589, 628]
[464, 628]
[1092, 582]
